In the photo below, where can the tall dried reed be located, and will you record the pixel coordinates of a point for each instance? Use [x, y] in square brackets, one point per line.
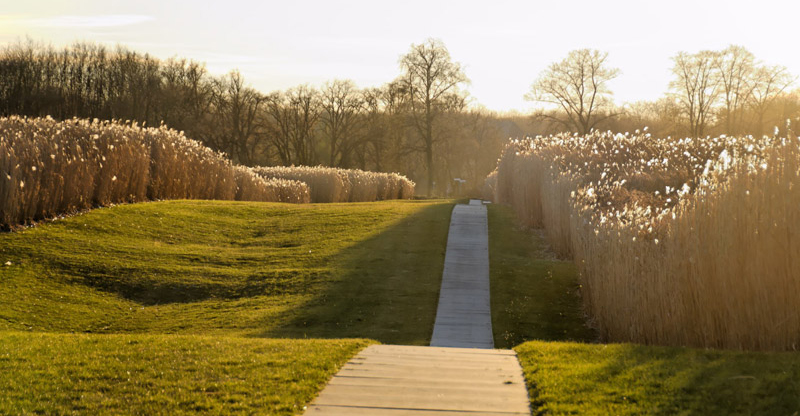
[344, 185]
[50, 168]
[678, 241]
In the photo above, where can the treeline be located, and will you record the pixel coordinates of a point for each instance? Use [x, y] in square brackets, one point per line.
[712, 93]
[383, 129]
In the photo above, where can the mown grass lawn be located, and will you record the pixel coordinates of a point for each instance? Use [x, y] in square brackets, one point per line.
[165, 307]
[325, 270]
[45, 373]
[535, 296]
[624, 379]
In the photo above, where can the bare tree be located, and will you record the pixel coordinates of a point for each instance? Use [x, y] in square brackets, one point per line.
[280, 126]
[375, 128]
[789, 105]
[660, 117]
[396, 105]
[769, 83]
[696, 87]
[305, 111]
[577, 86]
[294, 116]
[341, 105]
[472, 153]
[735, 68]
[240, 129]
[432, 80]
[187, 97]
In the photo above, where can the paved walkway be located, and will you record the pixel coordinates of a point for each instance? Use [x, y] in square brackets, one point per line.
[420, 381]
[459, 374]
[464, 318]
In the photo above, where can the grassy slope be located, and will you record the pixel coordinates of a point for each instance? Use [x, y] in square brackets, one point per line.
[387, 287]
[142, 273]
[534, 298]
[163, 374]
[336, 270]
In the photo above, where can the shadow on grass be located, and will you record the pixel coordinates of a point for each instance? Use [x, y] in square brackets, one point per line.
[535, 296]
[384, 288]
[148, 292]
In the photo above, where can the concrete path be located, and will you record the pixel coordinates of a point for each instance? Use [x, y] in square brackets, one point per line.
[464, 317]
[459, 374]
[395, 380]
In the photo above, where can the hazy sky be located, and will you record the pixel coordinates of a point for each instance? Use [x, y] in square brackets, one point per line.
[502, 44]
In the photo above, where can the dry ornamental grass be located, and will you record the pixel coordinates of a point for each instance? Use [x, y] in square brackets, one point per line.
[51, 168]
[678, 241]
[344, 185]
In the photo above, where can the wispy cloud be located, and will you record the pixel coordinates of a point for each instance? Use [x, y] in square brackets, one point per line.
[107, 20]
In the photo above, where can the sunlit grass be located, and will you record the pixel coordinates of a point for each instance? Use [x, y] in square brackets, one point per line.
[624, 379]
[183, 291]
[230, 267]
[164, 374]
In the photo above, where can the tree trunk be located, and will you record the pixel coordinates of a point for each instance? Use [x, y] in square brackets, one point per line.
[429, 149]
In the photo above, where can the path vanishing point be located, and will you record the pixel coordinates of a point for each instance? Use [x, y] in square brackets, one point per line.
[460, 373]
